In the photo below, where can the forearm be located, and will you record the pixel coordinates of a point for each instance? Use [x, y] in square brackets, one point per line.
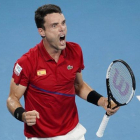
[87, 93]
[16, 92]
[101, 101]
[15, 108]
[13, 104]
[82, 90]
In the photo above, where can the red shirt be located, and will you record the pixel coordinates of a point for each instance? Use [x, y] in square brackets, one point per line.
[50, 88]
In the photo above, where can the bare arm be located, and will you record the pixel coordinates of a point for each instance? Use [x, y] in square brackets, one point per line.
[83, 89]
[13, 102]
[16, 92]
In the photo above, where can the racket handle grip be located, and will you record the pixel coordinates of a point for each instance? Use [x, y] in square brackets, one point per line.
[102, 126]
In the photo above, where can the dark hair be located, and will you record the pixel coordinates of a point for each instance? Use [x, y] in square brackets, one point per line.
[42, 11]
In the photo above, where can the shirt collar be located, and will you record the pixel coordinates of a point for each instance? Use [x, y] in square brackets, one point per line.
[45, 54]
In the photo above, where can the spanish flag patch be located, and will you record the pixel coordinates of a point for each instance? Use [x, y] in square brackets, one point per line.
[41, 72]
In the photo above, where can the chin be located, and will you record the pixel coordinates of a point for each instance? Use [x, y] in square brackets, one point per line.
[62, 47]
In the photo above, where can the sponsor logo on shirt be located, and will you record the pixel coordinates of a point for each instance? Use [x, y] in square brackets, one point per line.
[17, 69]
[69, 67]
[41, 72]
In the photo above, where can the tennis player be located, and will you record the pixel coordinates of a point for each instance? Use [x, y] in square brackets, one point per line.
[49, 77]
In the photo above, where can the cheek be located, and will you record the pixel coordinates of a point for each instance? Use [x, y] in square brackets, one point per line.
[66, 29]
[52, 38]
[51, 35]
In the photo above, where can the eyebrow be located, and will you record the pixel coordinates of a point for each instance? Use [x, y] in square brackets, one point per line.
[55, 23]
[64, 20]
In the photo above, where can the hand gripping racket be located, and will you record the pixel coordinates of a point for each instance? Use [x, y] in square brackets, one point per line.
[121, 85]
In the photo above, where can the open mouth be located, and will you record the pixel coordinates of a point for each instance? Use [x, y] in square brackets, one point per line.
[62, 39]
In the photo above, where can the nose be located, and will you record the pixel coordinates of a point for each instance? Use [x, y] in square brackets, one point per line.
[61, 28]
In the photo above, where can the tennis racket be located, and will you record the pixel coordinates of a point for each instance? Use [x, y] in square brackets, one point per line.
[121, 85]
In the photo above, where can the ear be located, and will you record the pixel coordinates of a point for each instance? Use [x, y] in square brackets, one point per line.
[41, 32]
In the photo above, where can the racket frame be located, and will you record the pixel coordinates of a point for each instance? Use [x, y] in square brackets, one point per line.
[106, 117]
[109, 93]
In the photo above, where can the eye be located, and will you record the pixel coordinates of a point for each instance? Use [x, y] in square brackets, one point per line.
[54, 25]
[64, 22]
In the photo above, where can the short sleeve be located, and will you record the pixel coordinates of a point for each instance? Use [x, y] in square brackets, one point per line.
[21, 71]
[81, 62]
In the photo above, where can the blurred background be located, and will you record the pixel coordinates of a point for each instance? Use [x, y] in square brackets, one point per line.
[105, 29]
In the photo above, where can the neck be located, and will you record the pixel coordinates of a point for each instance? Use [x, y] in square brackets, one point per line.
[54, 53]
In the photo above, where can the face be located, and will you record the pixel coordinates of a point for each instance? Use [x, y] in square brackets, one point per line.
[55, 31]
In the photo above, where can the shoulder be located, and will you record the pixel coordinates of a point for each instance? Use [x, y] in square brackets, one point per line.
[74, 51]
[27, 60]
[29, 56]
[73, 47]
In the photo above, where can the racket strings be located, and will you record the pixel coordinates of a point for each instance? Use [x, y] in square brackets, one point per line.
[120, 82]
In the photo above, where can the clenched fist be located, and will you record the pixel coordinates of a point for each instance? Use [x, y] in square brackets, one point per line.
[30, 117]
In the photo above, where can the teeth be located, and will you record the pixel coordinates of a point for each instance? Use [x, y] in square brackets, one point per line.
[62, 35]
